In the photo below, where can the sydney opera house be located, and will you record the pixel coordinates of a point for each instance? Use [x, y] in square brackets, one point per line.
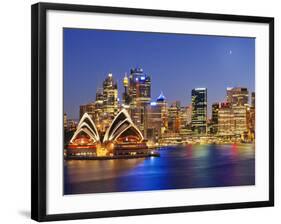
[121, 139]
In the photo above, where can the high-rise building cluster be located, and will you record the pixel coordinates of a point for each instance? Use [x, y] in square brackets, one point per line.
[162, 122]
[235, 117]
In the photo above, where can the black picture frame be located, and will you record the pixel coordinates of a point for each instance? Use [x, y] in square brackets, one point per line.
[38, 108]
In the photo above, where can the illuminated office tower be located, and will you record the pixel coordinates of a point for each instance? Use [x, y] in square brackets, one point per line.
[99, 103]
[98, 117]
[99, 96]
[215, 121]
[183, 116]
[126, 97]
[140, 96]
[139, 86]
[225, 120]
[185, 119]
[110, 96]
[162, 103]
[237, 96]
[199, 110]
[240, 120]
[154, 122]
[174, 123]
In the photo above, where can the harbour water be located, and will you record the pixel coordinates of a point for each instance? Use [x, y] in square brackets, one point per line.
[178, 167]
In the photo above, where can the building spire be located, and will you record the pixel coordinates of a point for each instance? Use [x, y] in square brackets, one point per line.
[161, 97]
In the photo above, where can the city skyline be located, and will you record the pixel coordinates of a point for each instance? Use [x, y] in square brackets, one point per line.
[157, 111]
[234, 55]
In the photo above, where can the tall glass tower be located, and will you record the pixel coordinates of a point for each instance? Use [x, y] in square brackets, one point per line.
[199, 110]
[139, 90]
[139, 86]
[110, 95]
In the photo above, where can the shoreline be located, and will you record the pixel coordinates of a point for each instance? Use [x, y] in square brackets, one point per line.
[154, 154]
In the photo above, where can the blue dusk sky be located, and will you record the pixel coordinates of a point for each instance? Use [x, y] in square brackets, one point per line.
[177, 63]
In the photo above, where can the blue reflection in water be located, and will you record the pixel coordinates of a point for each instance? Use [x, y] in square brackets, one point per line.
[178, 167]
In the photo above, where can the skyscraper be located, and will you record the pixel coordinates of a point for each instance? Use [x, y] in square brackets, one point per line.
[126, 96]
[139, 90]
[139, 86]
[226, 124]
[240, 120]
[154, 122]
[110, 95]
[199, 110]
[238, 98]
[162, 103]
[174, 122]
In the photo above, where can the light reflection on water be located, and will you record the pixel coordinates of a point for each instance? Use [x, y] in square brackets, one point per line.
[188, 166]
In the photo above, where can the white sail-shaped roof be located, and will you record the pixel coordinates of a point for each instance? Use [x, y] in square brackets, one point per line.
[87, 126]
[121, 123]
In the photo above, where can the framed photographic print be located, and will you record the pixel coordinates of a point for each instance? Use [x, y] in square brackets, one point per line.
[139, 111]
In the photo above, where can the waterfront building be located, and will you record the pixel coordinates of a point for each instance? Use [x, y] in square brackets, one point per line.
[225, 119]
[123, 137]
[157, 118]
[154, 122]
[240, 120]
[232, 120]
[237, 95]
[238, 98]
[85, 141]
[86, 133]
[110, 96]
[199, 110]
[185, 119]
